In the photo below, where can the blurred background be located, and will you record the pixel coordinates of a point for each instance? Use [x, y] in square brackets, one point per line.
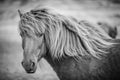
[10, 41]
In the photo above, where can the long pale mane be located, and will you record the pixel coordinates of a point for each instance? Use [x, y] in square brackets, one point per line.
[64, 35]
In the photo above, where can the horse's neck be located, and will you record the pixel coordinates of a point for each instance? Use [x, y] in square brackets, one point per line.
[68, 66]
[49, 59]
[57, 63]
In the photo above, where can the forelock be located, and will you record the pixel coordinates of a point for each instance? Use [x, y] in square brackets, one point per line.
[31, 24]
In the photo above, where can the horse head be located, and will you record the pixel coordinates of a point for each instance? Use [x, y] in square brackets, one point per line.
[33, 42]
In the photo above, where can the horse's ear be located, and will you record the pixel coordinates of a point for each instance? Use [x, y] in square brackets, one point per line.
[20, 14]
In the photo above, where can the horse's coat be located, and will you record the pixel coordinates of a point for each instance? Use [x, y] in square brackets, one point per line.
[76, 51]
[88, 68]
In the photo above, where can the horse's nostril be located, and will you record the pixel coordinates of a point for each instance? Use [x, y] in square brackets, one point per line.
[22, 63]
[32, 64]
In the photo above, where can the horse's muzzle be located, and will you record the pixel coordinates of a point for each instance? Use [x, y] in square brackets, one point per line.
[29, 67]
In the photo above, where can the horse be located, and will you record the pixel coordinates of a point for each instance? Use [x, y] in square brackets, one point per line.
[75, 51]
[112, 31]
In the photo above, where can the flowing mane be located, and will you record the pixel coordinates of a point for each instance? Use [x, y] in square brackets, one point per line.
[64, 36]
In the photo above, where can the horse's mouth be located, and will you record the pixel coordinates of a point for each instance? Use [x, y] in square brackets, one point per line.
[30, 71]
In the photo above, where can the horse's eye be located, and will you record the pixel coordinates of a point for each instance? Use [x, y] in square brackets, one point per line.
[25, 32]
[39, 35]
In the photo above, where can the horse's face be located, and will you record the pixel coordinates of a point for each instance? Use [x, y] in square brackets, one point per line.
[33, 49]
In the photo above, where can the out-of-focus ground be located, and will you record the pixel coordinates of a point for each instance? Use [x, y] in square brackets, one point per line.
[10, 41]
